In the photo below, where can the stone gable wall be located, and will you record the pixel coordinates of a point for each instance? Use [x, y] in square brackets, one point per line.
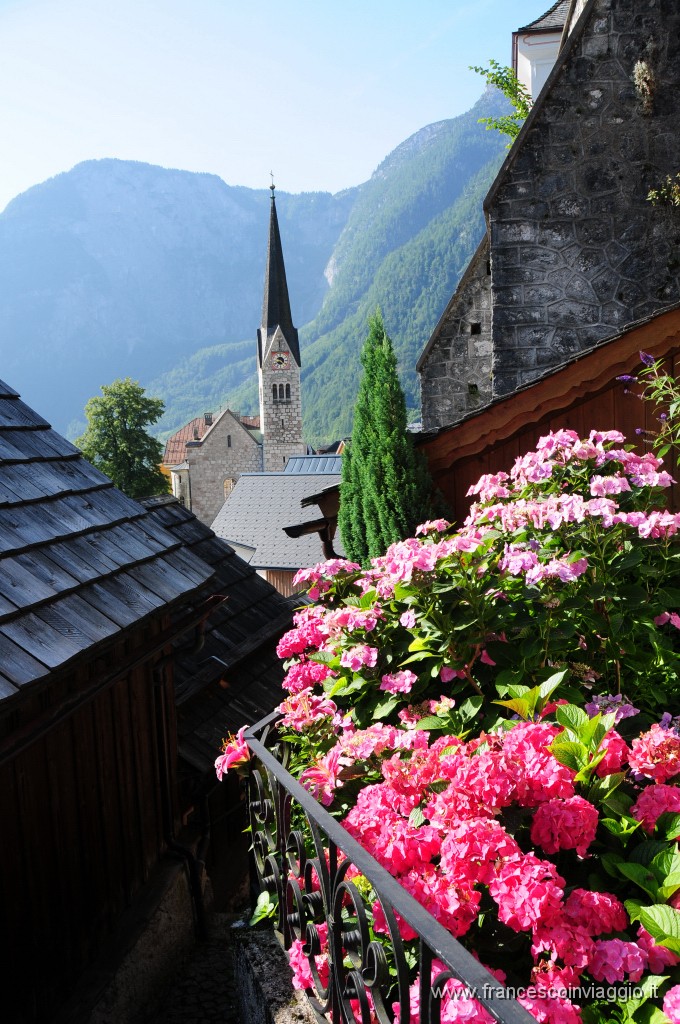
[213, 460]
[456, 372]
[577, 250]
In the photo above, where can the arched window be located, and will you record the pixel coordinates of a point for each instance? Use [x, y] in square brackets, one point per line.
[281, 393]
[275, 393]
[288, 392]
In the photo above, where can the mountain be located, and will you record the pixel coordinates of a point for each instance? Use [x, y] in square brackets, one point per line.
[408, 238]
[118, 268]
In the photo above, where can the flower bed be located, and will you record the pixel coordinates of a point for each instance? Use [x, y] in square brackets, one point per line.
[492, 714]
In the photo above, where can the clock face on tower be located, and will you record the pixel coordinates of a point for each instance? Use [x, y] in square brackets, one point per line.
[280, 360]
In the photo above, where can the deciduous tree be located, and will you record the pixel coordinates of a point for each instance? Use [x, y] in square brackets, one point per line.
[116, 439]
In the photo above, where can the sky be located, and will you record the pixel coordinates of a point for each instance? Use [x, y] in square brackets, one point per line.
[319, 92]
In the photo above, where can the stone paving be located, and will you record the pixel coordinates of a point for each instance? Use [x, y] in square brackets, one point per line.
[204, 989]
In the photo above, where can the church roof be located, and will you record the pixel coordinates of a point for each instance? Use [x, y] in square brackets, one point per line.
[79, 561]
[276, 303]
[552, 21]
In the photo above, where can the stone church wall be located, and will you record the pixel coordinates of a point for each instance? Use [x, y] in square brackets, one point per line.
[281, 418]
[226, 451]
[577, 249]
[456, 369]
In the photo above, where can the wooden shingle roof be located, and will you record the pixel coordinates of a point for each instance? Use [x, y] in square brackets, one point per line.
[79, 560]
[235, 677]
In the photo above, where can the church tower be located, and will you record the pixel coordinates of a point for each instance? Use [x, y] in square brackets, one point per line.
[278, 362]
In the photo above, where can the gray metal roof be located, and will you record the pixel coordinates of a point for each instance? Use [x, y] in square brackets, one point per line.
[79, 560]
[314, 464]
[552, 21]
[258, 508]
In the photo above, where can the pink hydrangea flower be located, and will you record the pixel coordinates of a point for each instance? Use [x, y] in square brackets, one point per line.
[305, 674]
[664, 617]
[659, 957]
[446, 673]
[653, 802]
[615, 960]
[656, 754]
[408, 619]
[356, 657]
[432, 526]
[526, 890]
[563, 940]
[399, 682]
[299, 962]
[616, 754]
[671, 1004]
[551, 1009]
[457, 1006]
[597, 912]
[568, 824]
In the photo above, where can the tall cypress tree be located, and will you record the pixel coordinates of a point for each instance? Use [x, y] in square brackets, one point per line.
[385, 486]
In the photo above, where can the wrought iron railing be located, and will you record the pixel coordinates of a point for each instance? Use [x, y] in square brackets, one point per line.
[318, 889]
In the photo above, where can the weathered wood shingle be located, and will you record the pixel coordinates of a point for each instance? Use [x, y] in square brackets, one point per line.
[79, 560]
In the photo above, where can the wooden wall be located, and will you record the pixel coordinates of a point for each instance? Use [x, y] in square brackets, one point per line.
[583, 397]
[82, 829]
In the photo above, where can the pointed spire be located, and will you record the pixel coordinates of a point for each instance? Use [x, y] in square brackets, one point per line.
[276, 304]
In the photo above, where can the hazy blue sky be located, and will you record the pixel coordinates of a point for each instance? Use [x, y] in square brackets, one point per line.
[318, 91]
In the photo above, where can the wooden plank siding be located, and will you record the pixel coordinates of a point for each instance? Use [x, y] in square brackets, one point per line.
[82, 830]
[582, 396]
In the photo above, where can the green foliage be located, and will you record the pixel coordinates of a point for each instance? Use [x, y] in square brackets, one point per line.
[116, 440]
[385, 486]
[668, 192]
[505, 80]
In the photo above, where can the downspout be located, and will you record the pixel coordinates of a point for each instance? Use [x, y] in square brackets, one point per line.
[192, 862]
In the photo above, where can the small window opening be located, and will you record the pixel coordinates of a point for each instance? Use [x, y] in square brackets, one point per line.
[473, 389]
[228, 440]
[288, 392]
[275, 393]
[475, 328]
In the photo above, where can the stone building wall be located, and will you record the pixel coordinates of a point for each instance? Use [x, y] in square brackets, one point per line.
[226, 451]
[577, 249]
[456, 368]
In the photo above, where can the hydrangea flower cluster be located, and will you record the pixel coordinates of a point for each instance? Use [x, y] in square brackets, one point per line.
[448, 700]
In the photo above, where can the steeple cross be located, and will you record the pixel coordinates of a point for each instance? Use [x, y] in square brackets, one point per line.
[272, 186]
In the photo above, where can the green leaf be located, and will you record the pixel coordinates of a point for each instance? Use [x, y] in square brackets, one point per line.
[567, 752]
[470, 708]
[431, 722]
[639, 874]
[520, 706]
[646, 851]
[663, 924]
[668, 825]
[416, 818]
[571, 718]
[386, 706]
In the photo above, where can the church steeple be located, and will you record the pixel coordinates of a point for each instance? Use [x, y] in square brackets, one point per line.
[278, 362]
[276, 304]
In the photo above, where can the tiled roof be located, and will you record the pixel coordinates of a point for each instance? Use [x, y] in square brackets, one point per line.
[258, 508]
[239, 648]
[79, 561]
[552, 21]
[196, 429]
[175, 445]
[314, 464]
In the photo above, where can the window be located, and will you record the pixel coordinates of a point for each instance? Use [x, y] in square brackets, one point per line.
[275, 393]
[228, 440]
[288, 392]
[475, 328]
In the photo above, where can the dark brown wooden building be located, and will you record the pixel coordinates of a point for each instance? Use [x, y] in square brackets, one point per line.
[100, 600]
